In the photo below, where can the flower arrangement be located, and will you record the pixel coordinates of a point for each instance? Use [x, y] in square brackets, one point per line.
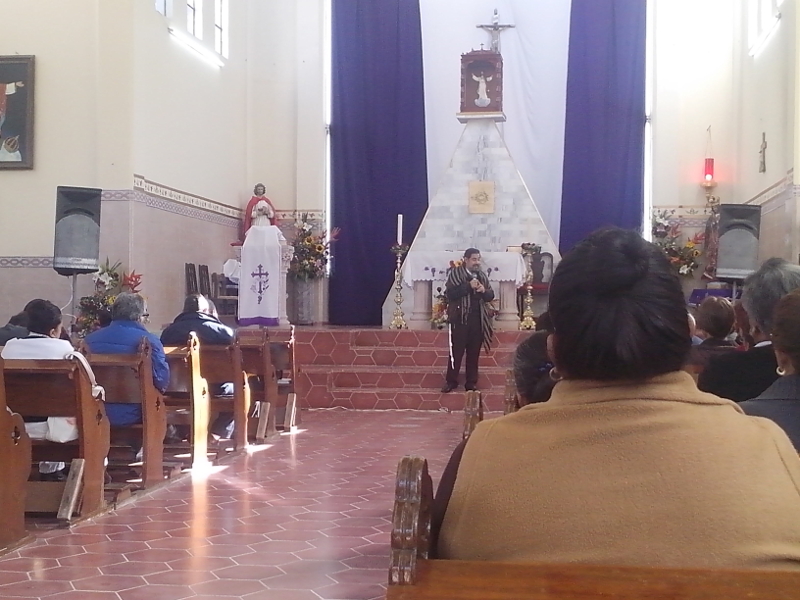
[311, 251]
[531, 248]
[109, 282]
[439, 317]
[668, 235]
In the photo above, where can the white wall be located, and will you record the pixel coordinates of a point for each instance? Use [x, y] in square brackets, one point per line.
[704, 77]
[116, 95]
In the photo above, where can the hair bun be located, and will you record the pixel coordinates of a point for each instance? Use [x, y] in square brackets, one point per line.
[624, 262]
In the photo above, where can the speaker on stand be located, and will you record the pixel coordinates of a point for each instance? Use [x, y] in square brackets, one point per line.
[77, 235]
[739, 233]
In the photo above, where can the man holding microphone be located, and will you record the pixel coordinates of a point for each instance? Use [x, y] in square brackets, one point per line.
[468, 293]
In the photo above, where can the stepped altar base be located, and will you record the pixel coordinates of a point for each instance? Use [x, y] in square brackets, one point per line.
[390, 369]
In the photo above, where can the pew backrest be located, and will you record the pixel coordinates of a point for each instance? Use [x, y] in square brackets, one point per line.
[62, 388]
[128, 378]
[15, 465]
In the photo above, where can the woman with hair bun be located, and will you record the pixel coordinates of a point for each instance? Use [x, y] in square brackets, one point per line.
[780, 402]
[627, 463]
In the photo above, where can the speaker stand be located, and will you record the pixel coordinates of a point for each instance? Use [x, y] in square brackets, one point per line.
[74, 308]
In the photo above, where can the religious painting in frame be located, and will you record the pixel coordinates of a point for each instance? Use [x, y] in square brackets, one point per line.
[16, 112]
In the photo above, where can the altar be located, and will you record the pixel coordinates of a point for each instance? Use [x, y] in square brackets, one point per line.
[505, 270]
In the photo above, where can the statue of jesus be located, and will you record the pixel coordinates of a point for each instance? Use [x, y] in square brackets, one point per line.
[483, 97]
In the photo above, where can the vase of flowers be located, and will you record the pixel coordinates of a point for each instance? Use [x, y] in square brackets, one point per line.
[309, 263]
[109, 282]
[668, 235]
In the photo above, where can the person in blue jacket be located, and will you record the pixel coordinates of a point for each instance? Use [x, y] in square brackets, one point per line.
[123, 336]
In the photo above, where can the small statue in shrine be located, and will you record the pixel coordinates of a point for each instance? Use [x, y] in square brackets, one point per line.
[260, 210]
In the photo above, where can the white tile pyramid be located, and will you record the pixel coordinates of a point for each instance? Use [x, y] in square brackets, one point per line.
[482, 155]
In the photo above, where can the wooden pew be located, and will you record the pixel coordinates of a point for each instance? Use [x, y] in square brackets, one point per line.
[473, 412]
[189, 391]
[61, 388]
[283, 359]
[222, 364]
[128, 378]
[286, 371]
[15, 465]
[413, 575]
[257, 362]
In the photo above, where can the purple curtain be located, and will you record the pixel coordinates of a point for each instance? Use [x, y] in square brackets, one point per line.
[604, 137]
[378, 163]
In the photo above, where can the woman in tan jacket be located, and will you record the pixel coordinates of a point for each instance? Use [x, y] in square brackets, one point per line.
[627, 463]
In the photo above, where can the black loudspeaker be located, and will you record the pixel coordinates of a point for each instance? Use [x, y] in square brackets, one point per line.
[77, 237]
[739, 230]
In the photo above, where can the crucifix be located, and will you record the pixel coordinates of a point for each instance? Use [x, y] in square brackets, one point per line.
[762, 153]
[262, 282]
[495, 29]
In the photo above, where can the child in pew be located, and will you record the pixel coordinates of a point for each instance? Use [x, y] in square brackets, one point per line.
[43, 342]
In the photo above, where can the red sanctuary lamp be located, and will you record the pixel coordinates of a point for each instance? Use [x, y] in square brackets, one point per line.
[708, 178]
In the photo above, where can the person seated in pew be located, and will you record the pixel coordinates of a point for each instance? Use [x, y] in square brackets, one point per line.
[780, 402]
[628, 463]
[715, 319]
[531, 368]
[123, 336]
[740, 376]
[198, 316]
[17, 327]
[44, 342]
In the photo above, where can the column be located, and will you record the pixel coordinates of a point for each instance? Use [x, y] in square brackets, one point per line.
[423, 305]
[508, 319]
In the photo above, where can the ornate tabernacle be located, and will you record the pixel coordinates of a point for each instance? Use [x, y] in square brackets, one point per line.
[482, 85]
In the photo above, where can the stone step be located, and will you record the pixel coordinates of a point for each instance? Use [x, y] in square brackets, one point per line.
[405, 357]
[389, 399]
[398, 379]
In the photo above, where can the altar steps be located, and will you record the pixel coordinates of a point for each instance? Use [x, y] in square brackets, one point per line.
[390, 369]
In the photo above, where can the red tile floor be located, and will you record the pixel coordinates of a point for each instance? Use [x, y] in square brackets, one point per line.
[307, 518]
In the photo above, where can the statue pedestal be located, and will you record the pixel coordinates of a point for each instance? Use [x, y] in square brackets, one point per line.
[508, 318]
[423, 305]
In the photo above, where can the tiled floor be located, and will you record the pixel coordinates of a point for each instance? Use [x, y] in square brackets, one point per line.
[305, 519]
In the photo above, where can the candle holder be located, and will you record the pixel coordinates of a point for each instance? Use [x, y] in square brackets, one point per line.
[398, 320]
[527, 322]
[528, 251]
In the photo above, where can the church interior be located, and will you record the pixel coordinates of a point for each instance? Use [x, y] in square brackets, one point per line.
[356, 198]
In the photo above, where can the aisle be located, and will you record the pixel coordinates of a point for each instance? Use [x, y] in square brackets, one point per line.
[307, 518]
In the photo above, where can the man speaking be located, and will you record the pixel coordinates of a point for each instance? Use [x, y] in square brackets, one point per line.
[468, 293]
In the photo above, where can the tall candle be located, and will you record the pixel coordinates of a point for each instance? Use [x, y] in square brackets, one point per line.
[399, 230]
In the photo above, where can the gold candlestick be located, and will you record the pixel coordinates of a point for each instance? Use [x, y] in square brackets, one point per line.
[527, 314]
[398, 320]
[528, 252]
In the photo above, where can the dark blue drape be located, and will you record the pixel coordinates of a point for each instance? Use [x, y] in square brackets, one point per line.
[378, 164]
[604, 137]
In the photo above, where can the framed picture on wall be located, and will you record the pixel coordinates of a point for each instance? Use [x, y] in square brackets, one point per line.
[16, 112]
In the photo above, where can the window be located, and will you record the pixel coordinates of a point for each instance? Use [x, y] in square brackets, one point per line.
[194, 20]
[161, 7]
[221, 27]
[763, 17]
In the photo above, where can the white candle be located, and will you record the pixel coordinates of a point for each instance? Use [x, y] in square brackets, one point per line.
[399, 230]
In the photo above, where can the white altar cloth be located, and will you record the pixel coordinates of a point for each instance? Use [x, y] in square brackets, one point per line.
[433, 265]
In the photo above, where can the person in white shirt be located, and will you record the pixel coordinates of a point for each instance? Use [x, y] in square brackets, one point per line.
[43, 342]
